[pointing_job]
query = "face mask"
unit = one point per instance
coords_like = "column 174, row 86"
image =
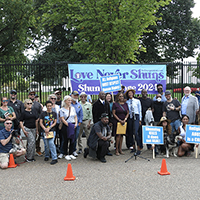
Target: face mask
column 159, row 99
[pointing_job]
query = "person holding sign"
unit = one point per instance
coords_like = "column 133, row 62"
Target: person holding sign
column 48, row 121
column 184, row 148
column 120, row 114
column 133, row 122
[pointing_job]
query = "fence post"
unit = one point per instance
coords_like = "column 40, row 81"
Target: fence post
column 182, row 79
column 40, row 87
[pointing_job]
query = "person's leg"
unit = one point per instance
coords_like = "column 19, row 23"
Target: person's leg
column 37, row 142
column 64, row 148
column 129, row 134
column 138, row 135
column 177, row 124
column 4, row 160
column 30, row 144
column 117, row 144
column 52, row 147
column 173, row 126
column 76, row 136
column 80, row 145
column 120, row 144
column 103, row 148
column 71, row 147
column 46, row 146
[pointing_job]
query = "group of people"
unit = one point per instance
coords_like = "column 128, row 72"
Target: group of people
column 61, row 123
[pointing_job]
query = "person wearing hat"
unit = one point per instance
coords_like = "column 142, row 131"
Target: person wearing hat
column 37, row 108
column 18, row 108
column 87, row 118
column 171, row 109
column 167, row 130
column 99, row 138
column 58, row 100
column 79, row 113
column 133, row 122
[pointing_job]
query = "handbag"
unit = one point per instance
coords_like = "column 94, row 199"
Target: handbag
column 61, row 123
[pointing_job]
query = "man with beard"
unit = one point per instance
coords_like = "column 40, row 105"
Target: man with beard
column 99, row 138
column 171, row 109
column 189, row 105
column 79, row 113
column 37, row 108
column 160, row 91
column 18, row 107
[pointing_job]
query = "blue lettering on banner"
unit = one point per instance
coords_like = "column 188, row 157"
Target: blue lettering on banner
column 152, row 134
column 192, row 134
column 85, row 77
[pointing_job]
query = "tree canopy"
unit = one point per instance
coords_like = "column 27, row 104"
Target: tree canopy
column 107, row 31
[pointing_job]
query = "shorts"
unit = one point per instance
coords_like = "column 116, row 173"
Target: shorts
column 4, row 158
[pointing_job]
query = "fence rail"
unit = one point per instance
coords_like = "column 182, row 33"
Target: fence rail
column 44, row 79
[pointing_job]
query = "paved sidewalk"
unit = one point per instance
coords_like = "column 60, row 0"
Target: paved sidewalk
column 136, row 179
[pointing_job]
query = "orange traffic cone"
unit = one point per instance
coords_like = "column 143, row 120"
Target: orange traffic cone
column 163, row 170
column 69, row 176
column 11, row 162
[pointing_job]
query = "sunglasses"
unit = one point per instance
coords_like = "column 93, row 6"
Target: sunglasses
column 58, row 94
column 5, row 101
column 29, row 103
column 8, row 123
column 32, row 95
column 53, row 98
column 13, row 93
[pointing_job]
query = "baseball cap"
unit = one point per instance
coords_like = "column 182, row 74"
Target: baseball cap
column 104, row 115
column 13, row 91
column 31, row 92
column 83, row 93
column 167, row 92
column 57, row 91
column 75, row 92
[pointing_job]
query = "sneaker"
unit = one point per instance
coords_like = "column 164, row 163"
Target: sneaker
column 60, row 156
column 38, row 153
column 72, row 157
column 103, row 160
column 131, row 148
column 53, row 162
column 75, row 154
column 67, row 157
column 46, row 159
column 80, row 151
column 28, row 160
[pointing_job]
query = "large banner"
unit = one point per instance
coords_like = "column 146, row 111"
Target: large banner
column 85, row 77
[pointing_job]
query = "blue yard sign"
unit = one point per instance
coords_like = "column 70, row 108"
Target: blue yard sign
column 110, row 83
column 192, row 134
column 152, row 134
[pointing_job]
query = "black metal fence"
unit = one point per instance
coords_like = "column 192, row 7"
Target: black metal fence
column 46, row 78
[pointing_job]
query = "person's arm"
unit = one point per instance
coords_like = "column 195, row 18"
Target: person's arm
column 5, row 141
column 117, row 118
column 140, row 112
column 80, row 117
column 22, row 127
column 76, row 121
column 13, row 116
column 2, row 120
column 64, row 121
column 36, row 124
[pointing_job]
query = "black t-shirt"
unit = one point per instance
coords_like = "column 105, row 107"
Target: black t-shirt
column 48, row 119
column 59, row 103
column 158, row 110
column 172, row 115
column 145, row 103
column 29, row 118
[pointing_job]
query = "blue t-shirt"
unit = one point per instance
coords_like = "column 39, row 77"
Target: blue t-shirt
column 4, row 134
column 198, row 97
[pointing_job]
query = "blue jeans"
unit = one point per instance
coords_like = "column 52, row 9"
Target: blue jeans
column 76, row 136
column 49, row 145
column 175, row 125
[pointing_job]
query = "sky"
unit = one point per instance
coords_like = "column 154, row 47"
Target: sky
column 196, row 14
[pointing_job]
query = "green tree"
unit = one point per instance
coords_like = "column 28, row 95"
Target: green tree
column 18, row 28
column 173, row 37
column 108, row 31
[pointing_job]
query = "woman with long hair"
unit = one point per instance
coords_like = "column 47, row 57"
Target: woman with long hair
column 69, row 119
column 184, row 148
column 6, row 112
column 120, row 114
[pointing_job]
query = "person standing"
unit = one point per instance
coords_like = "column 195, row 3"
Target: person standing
column 6, row 112
column 197, row 94
column 79, row 113
column 58, row 100
column 37, row 108
column 160, row 91
column 48, row 121
column 29, row 125
column 69, row 119
column 171, row 109
column 133, row 122
column 120, row 114
column 157, row 109
column 17, row 106
column 87, row 119
column 189, row 105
